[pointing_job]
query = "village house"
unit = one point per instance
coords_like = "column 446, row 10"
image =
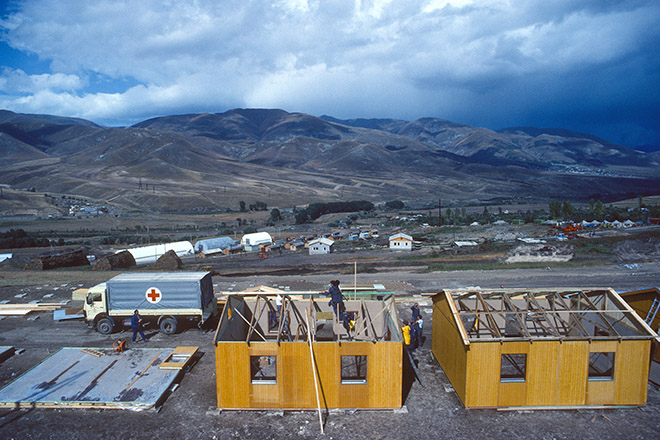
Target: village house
column 401, row 242
column 321, row 246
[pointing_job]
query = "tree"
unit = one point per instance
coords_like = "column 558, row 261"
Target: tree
column 275, row 215
column 555, row 208
column 599, row 209
column 567, row 209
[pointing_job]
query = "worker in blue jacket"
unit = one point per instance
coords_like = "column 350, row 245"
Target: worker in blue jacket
column 136, row 325
column 415, row 312
column 336, row 298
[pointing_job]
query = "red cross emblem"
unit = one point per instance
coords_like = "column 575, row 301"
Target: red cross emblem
column 153, row 295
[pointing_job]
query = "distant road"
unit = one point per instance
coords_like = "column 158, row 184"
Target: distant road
column 615, row 276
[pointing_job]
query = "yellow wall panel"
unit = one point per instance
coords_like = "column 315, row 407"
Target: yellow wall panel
column 512, row 394
column 542, row 373
column 295, row 386
column 448, row 348
column 572, row 367
column 232, row 379
column 483, row 375
column 631, row 371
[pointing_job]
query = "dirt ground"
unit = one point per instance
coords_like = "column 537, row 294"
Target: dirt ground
column 190, row 412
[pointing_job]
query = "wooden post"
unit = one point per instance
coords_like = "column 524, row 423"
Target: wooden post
column 316, row 385
column 355, row 281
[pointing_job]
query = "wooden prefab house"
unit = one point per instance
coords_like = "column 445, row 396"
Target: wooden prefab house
column 541, row 348
column 281, row 354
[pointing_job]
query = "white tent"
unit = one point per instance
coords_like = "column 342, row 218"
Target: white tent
column 149, row 254
column 256, row 239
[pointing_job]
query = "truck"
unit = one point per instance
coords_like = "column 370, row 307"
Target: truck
column 165, row 299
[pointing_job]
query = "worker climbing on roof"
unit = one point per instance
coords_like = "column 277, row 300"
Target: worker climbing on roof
column 136, row 325
column 336, row 298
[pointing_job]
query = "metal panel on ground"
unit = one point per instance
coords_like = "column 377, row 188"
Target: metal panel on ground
column 97, row 378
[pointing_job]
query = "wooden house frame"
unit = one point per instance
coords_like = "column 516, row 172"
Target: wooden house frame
column 541, row 348
column 270, row 358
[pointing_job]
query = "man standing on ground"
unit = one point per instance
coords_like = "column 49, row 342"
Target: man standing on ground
column 136, row 325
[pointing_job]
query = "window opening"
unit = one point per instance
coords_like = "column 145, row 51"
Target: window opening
column 513, row 367
column 263, row 369
column 354, row 369
column 601, row 366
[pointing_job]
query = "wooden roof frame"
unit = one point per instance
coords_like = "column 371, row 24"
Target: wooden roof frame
column 246, row 314
column 544, row 314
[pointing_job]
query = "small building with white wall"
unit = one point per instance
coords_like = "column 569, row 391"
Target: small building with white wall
column 321, row 246
column 401, row 242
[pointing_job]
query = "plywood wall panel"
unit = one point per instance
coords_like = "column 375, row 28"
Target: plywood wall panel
column 631, row 371
column 572, row 367
column 483, row 375
column 232, row 378
column 542, row 373
column 448, row 348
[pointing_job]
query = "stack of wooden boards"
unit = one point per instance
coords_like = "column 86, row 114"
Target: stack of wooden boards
column 25, row 309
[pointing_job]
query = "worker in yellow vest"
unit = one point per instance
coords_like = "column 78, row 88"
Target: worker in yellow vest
column 406, row 335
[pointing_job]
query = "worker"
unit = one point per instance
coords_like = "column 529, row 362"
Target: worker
column 406, row 335
column 136, row 325
column 413, row 335
column 275, row 317
column 336, row 298
column 420, row 324
column 416, row 334
column 415, row 312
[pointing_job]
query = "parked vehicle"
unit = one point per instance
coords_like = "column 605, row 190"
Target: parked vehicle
column 163, row 298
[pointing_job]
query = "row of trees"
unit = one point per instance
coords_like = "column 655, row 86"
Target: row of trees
column 316, row 210
column 256, row 206
column 18, row 238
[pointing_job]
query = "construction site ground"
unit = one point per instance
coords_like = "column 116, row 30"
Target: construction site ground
column 190, row 412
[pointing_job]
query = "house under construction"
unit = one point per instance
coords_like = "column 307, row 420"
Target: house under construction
column 273, row 352
column 542, row 348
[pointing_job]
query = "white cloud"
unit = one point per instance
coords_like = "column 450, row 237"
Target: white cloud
column 17, row 81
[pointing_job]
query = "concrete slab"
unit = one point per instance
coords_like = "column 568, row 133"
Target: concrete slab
column 73, row 378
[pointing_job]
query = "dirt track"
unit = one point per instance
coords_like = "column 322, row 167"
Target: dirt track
column 189, row 412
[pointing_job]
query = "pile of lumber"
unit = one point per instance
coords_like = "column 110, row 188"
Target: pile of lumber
column 25, row 309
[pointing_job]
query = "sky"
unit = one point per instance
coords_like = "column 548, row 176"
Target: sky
column 586, row 65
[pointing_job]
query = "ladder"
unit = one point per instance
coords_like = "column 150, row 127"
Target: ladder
column 653, row 310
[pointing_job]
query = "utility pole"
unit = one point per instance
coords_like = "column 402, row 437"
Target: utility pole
column 439, row 212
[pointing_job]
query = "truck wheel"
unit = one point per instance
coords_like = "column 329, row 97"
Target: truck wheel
column 104, row 326
column 168, row 325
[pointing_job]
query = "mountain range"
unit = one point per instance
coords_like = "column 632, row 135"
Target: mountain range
column 214, row 160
